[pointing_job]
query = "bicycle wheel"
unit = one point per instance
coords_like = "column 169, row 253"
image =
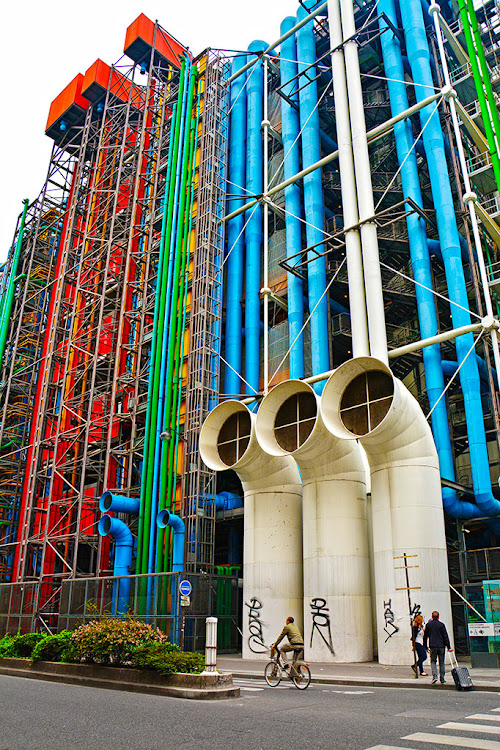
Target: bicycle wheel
column 272, row 674
column 301, row 676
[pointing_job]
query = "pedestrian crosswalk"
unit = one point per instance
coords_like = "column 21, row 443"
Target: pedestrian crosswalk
column 457, row 735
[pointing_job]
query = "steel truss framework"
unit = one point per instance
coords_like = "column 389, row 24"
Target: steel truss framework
column 202, row 387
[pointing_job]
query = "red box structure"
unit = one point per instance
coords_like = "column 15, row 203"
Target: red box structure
column 99, row 77
column 140, row 38
column 69, row 106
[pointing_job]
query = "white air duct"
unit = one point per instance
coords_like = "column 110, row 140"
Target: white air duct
column 272, row 551
column 363, row 400
column 337, row 602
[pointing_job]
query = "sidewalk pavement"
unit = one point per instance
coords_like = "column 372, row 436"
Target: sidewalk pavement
column 369, row 674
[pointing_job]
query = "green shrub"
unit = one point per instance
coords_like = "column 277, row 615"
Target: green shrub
column 52, row 647
column 5, row 644
column 166, row 658
column 153, row 656
column 111, row 641
column 20, row 646
column 186, row 662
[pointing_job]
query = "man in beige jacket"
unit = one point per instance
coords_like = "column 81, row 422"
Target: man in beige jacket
column 295, row 641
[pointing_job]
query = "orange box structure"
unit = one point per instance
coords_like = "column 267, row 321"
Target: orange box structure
column 139, row 41
column 100, row 76
column 68, row 107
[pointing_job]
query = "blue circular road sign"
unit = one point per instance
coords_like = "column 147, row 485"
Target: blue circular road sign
column 185, row 588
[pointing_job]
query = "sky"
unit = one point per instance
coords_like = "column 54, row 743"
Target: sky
column 46, row 44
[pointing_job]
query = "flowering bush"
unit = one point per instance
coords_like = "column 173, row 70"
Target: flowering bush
column 111, row 641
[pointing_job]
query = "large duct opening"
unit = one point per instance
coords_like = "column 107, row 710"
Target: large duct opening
column 295, row 420
column 366, row 401
column 234, row 437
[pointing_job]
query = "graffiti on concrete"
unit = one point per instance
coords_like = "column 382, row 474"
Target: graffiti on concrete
column 255, row 626
column 321, row 623
column 390, row 626
column 415, row 610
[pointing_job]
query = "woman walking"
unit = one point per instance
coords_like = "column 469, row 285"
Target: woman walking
column 417, row 638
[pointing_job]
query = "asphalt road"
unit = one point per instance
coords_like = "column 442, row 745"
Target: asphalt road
column 37, row 715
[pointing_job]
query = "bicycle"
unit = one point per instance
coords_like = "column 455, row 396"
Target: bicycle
column 298, row 671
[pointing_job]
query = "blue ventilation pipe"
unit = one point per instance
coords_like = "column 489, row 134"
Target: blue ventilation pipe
column 420, row 260
column 253, row 231
column 419, row 56
column 118, row 503
column 122, row 537
column 293, row 210
column 313, row 197
column 164, row 519
column 235, row 234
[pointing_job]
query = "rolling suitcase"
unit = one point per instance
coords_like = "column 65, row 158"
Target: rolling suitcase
column 461, row 676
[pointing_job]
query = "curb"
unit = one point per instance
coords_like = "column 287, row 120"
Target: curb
column 203, row 687
column 367, row 682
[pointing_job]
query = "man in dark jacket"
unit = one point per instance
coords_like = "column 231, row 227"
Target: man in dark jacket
column 436, row 635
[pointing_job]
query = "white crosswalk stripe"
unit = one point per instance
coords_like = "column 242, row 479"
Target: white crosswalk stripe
column 455, row 741
column 459, row 726
column 441, row 739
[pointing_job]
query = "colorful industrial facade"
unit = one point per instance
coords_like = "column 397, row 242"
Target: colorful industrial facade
column 198, row 239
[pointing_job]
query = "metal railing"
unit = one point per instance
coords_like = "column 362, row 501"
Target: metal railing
column 23, row 609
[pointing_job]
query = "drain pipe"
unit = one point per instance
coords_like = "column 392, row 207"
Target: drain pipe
column 235, row 238
column 293, row 209
column 122, row 536
column 418, row 55
column 272, row 554
column 335, row 534
column 357, row 302
column 166, row 518
column 421, row 265
column 363, row 400
column 253, row 230
column 313, row 196
column 366, row 208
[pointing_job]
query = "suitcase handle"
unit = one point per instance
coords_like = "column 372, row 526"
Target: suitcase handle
column 453, row 665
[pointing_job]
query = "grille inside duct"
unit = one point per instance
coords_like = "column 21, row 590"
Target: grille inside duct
column 366, row 401
column 295, row 420
column 234, row 437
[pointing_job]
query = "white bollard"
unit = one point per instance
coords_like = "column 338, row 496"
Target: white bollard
column 211, row 645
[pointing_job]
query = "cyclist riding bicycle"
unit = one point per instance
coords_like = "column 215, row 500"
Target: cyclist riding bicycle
column 295, row 642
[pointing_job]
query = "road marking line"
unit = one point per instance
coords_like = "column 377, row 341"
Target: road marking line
column 388, row 747
column 251, row 689
column 469, row 727
column 485, row 717
column 441, row 739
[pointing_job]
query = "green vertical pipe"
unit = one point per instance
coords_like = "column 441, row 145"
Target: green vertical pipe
column 177, row 401
column 479, row 82
column 151, row 412
column 145, row 515
column 175, row 418
column 179, row 344
column 174, row 302
column 9, row 294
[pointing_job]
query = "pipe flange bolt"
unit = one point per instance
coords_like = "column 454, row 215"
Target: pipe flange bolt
column 434, row 8
column 469, row 198
column 489, row 322
column 448, row 92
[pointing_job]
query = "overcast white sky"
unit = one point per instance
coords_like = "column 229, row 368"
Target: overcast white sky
column 45, row 44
